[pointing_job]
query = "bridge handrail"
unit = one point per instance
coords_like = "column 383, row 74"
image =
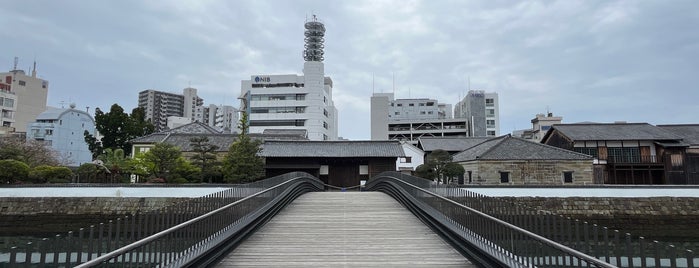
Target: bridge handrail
column 496, row 253
column 171, row 230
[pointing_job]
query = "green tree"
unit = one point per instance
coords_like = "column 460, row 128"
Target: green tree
column 117, row 129
column 243, row 163
column 163, row 158
column 435, row 166
column 92, row 173
column 204, row 157
column 451, row 170
column 50, row 174
column 12, row 171
column 116, row 162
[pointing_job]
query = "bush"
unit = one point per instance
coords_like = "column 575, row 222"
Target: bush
column 45, row 173
column 179, row 180
column 12, row 171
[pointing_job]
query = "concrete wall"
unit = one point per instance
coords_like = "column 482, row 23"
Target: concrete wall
column 528, row 172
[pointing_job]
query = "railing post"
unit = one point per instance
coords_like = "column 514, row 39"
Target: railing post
column 28, row 254
column 642, row 251
column 690, row 258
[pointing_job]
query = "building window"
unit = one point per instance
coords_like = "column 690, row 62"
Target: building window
column 406, row 159
column 591, row 151
column 422, row 104
column 430, row 112
column 22, row 83
column 504, row 177
column 567, row 177
column 325, row 125
column 490, row 123
column 325, row 112
column 422, row 112
column 624, row 154
column 489, row 102
column 363, row 169
column 399, row 104
column 489, row 113
column 430, row 104
column 49, row 132
column 490, row 133
column 397, row 113
column 411, row 104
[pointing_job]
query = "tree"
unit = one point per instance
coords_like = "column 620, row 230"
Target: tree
column 204, row 157
column 163, row 157
column 438, row 166
column 44, row 173
column 115, row 161
column 32, row 153
column 117, row 129
column 12, row 171
column 451, row 170
column 243, row 163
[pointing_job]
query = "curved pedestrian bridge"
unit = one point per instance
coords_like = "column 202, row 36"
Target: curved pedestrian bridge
column 345, row 229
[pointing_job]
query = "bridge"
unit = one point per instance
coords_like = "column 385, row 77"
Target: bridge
column 396, row 220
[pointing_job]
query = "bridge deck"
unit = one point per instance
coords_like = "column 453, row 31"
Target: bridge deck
column 348, row 229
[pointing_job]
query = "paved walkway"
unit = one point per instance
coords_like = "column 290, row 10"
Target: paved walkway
column 345, row 229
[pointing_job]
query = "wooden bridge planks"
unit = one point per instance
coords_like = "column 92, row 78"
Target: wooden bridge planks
column 345, row 229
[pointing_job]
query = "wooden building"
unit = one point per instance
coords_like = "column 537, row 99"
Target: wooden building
column 625, row 153
column 338, row 163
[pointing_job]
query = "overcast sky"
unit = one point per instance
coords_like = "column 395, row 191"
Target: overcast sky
column 600, row 61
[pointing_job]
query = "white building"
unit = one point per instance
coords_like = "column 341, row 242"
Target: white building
column 294, row 101
column 223, row 117
column 191, row 101
column 411, row 119
column 24, row 98
column 481, row 109
column 160, row 105
column 413, row 158
column 540, row 125
column 63, row 130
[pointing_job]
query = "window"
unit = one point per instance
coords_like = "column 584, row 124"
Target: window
column 489, row 113
column 325, row 112
column 363, row 169
column 624, row 154
column 545, row 128
column 489, row 102
column 325, row 125
column 49, row 132
column 406, row 159
column 411, row 105
column 430, row 112
column 504, row 177
column 422, row 104
column 22, row 83
column 422, row 112
column 430, row 104
column 592, row 151
column 490, row 133
column 9, row 103
column 567, row 176
column 399, row 104
column 490, row 123
column 323, row 170
column 397, row 113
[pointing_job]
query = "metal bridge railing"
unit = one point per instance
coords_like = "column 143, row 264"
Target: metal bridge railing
column 168, row 237
column 503, row 233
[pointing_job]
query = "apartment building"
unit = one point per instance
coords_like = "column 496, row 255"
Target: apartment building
column 22, row 98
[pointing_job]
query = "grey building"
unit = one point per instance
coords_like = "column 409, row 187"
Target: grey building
column 411, row 119
column 160, row 105
column 481, row 110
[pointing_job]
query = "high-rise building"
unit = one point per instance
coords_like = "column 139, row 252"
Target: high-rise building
column 23, row 98
column 191, row 101
column 298, row 102
column 410, row 119
column 160, row 105
column 481, row 110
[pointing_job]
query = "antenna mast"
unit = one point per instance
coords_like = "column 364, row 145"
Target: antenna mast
column 16, row 62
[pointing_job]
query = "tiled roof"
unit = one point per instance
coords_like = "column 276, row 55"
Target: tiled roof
column 457, row 144
column 180, row 137
column 616, row 131
column 332, row 149
column 689, row 133
column 511, row 148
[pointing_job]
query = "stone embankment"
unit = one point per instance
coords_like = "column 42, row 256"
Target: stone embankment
column 43, row 215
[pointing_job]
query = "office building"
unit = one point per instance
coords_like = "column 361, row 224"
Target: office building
column 63, row 130
column 411, row 119
column 540, row 125
column 294, row 102
column 481, row 110
column 23, row 98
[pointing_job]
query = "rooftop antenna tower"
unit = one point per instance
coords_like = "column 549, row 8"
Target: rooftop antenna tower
column 314, row 39
column 16, row 62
